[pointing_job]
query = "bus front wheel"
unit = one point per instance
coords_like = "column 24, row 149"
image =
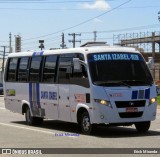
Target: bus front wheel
column 142, row 127
column 86, row 126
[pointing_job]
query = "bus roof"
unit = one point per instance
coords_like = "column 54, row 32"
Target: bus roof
column 83, row 50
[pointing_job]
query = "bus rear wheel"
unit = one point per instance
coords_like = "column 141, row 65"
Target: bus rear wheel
column 32, row 120
column 143, row 127
column 86, row 126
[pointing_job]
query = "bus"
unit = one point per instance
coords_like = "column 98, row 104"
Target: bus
column 92, row 85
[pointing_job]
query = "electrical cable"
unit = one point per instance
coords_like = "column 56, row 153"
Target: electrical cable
column 86, row 21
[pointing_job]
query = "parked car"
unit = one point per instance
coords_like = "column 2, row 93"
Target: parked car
column 1, row 89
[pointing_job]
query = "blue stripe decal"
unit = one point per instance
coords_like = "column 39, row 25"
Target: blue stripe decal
column 134, row 94
column 41, row 53
column 38, row 53
column 34, row 53
column 38, row 95
column 30, row 95
column 147, row 93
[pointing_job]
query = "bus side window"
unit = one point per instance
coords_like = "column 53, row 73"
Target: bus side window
column 80, row 77
column 22, row 69
column 12, row 68
column 34, row 71
column 49, row 70
column 64, row 70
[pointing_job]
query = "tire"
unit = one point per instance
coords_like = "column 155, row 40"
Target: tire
column 30, row 120
column 86, row 127
column 142, row 127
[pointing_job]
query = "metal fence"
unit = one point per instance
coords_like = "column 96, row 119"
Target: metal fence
column 155, row 73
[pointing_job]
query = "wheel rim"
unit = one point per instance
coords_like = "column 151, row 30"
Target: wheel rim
column 86, row 123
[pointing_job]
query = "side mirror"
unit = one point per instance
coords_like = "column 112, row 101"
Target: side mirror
column 76, row 64
column 150, row 62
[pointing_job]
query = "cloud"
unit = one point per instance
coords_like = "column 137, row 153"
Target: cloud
column 98, row 20
column 98, row 5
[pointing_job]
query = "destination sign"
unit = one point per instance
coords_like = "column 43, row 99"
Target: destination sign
column 114, row 56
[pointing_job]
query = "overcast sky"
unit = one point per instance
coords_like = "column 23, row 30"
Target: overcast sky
column 45, row 20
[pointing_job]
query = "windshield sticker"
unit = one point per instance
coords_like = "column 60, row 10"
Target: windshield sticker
column 115, row 56
column 10, row 92
column 80, row 97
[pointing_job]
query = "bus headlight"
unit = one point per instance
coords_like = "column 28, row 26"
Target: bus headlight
column 152, row 100
column 103, row 102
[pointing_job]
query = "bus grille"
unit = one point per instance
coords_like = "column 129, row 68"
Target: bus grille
column 124, row 104
column 130, row 115
column 130, row 104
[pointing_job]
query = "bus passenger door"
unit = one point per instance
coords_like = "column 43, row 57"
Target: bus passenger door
column 49, row 100
column 49, row 90
column 64, row 106
column 63, row 80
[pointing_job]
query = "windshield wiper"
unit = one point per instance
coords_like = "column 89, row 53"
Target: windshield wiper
column 111, row 82
column 141, row 81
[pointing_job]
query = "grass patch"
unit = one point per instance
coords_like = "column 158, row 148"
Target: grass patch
column 158, row 100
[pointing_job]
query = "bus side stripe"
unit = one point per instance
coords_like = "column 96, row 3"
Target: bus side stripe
column 30, row 95
column 38, row 96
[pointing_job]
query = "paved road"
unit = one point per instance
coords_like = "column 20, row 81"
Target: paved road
column 14, row 133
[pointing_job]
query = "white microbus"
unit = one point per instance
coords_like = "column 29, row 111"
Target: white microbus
column 87, row 85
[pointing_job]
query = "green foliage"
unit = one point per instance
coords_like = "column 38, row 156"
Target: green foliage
column 158, row 99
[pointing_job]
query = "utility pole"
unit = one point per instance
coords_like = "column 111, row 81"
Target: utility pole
column 10, row 42
column 74, row 38
column 63, row 45
column 159, row 16
column 4, row 53
column 95, row 35
column 159, row 21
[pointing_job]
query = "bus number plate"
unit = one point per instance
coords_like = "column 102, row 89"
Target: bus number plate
column 131, row 109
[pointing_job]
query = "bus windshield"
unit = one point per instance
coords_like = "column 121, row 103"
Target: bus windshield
column 119, row 69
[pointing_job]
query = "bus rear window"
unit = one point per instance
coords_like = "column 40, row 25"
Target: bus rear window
column 12, row 67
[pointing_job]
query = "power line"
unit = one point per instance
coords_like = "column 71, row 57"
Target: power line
column 36, row 1
column 3, row 41
column 104, row 31
column 20, row 0
column 46, row 45
column 48, row 42
column 50, row 39
column 139, row 7
column 74, row 38
column 91, row 39
column 124, row 29
column 47, row 1
column 41, row 9
column 86, row 21
column 72, row 9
